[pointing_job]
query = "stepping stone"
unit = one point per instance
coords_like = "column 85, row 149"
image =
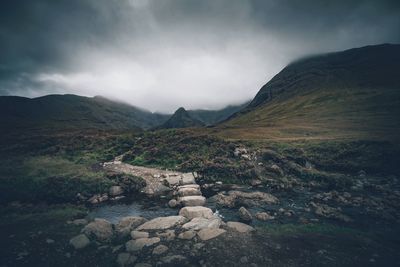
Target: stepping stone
column 196, row 211
column 189, row 186
column 189, row 191
column 210, row 233
column 193, row 201
column 188, row 178
column 162, row 223
column 202, row 223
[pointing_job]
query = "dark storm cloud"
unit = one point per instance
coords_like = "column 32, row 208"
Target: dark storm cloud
column 170, row 53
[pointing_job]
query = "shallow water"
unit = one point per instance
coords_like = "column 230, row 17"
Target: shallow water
column 115, row 212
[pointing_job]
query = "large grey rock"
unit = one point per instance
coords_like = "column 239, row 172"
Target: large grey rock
column 202, row 223
column 210, row 233
column 162, row 223
column 127, row 224
column 139, row 234
column 192, row 201
column 189, row 191
column 100, row 229
column 116, row 190
column 245, row 215
column 139, row 244
column 196, row 211
column 79, row 241
column 240, row 227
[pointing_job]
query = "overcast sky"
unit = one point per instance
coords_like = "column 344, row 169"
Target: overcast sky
column 164, row 54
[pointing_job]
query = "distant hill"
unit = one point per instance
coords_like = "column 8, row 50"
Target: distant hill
column 73, row 112
column 211, row 117
column 181, row 119
column 353, row 93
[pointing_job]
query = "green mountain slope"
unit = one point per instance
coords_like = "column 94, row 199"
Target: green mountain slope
column 73, row 112
column 181, row 119
column 354, row 93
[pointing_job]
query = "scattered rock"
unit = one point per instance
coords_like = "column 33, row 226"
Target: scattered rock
column 125, row 259
column 196, row 211
column 210, row 233
column 202, row 223
column 187, row 235
column 80, row 222
column 173, row 203
column 264, row 216
column 160, row 249
column 162, row 223
column 189, row 191
column 240, row 227
column 116, row 190
column 193, row 201
column 255, row 182
column 139, row 244
column 138, row 234
column 168, row 235
column 245, row 215
column 329, row 212
column 79, row 241
column 127, row 224
column 100, row 229
column 174, row 260
column 239, row 198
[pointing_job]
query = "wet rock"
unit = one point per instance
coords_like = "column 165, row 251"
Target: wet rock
column 168, row 235
column 239, row 198
column 192, row 201
column 245, row 215
column 240, row 227
column 172, row 203
column 100, row 229
column 202, row 223
column 264, row 216
column 197, row 211
column 187, row 235
column 139, row 244
column 138, row 234
column 125, row 259
column 79, row 241
column 116, row 190
column 160, row 249
column 210, row 233
column 162, row 223
column 127, row 224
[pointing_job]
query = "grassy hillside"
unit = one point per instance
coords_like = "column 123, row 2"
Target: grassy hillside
column 350, row 94
column 72, row 112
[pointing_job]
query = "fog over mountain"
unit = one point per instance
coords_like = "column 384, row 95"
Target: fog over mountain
column 161, row 55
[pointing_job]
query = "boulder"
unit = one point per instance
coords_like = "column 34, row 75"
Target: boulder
column 139, row 244
column 193, row 201
column 245, row 215
column 138, row 234
column 100, row 229
column 197, row 211
column 187, row 235
column 162, row 223
column 116, row 190
column 202, row 223
column 79, row 241
column 240, row 227
column 127, row 224
column 264, row 216
column 210, row 233
column 125, row 259
column 160, row 249
column 189, row 191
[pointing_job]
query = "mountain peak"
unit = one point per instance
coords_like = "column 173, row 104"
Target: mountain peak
column 181, row 119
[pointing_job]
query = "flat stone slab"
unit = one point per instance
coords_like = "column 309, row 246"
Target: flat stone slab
column 188, row 178
column 202, row 223
column 192, row 201
column 210, row 233
column 189, row 191
column 196, row 211
column 240, row 227
column 139, row 244
column 189, row 186
column 162, row 223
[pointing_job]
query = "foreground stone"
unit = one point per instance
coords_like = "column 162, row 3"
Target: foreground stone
column 127, row 224
column 245, row 215
column 240, row 227
column 139, row 244
column 210, row 233
column 138, row 234
column 162, row 223
column 100, row 229
column 189, row 191
column 125, row 259
column 202, row 223
column 196, row 211
column 192, row 201
column 79, row 241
